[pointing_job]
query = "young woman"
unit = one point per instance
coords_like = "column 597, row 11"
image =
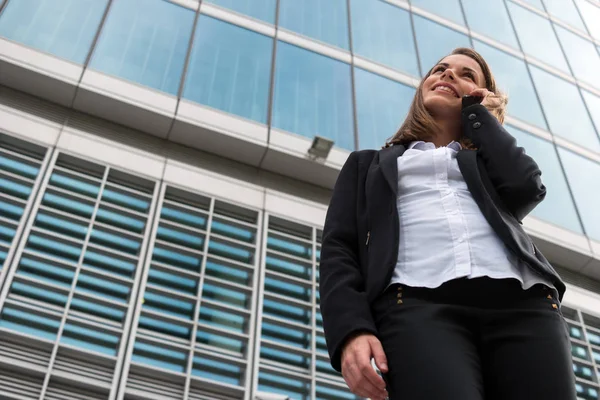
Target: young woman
column 425, row 266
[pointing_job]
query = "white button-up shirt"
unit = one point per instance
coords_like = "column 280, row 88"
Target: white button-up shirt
column 443, row 234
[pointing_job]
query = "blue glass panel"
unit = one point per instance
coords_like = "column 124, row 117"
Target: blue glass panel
column 530, row 27
column 512, row 78
column 491, row 19
column 120, row 220
column 222, row 319
column 259, row 9
column 98, row 310
column 221, row 294
column 230, row 69
column 576, row 333
column 294, row 313
column 285, row 357
column 74, row 185
column 328, row 393
column 294, row 291
column 112, row 290
column 236, row 275
column 566, row 11
column 179, row 260
column 449, row 9
column 593, row 106
column 76, row 230
column 321, row 344
column 167, row 328
column 174, row 360
column 180, row 237
column 324, row 20
column 47, row 272
column 164, row 304
column 65, row 28
column 232, row 231
column 6, row 233
column 312, row 95
column 292, row 386
column 128, row 201
column 18, row 167
column 172, row 281
column 583, row 174
column 558, row 197
column 591, row 15
column 303, row 250
column 220, row 341
column 14, row 188
column 10, row 211
column 303, row 271
column 229, row 250
column 108, row 263
column 145, row 44
column 382, row 32
column 583, row 57
column 217, row 370
column 32, row 291
column 186, row 218
column 90, row 339
column 54, row 248
column 115, row 241
column 566, row 113
column 436, row 41
column 594, row 338
column 381, row 106
column 29, row 323
column 71, row 206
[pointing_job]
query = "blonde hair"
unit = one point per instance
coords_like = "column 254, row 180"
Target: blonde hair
column 420, row 125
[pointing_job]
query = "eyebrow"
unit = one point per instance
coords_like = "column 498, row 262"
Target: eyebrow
column 464, row 68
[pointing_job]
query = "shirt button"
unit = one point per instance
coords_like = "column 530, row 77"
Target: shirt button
column 472, row 116
column 476, row 125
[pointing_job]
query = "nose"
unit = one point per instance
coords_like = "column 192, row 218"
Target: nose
column 449, row 74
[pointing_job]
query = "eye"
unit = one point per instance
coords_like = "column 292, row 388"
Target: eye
column 439, row 68
column 470, row 75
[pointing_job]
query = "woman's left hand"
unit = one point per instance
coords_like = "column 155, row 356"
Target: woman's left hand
column 490, row 100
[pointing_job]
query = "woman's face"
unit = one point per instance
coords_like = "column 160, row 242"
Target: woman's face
column 455, row 76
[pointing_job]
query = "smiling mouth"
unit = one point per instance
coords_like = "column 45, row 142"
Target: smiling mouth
column 445, row 89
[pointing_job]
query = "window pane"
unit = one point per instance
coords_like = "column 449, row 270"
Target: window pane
column 591, row 15
column 491, row 19
column 229, row 69
column 381, row 106
column 530, row 27
column 593, row 105
column 583, row 175
column 566, row 11
column 64, row 28
column 558, row 197
column 449, row 9
column 324, row 20
column 582, row 54
column 146, row 44
column 259, row 9
column 512, row 78
column 436, row 41
column 312, row 95
column 536, row 3
column 381, row 32
column 566, row 113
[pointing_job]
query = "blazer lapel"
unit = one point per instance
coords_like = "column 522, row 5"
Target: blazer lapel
column 389, row 166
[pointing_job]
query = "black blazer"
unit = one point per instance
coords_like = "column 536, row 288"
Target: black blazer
column 361, row 233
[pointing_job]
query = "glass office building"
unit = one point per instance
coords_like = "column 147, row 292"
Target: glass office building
column 160, row 219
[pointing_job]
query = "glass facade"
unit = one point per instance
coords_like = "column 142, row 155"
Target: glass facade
column 108, row 277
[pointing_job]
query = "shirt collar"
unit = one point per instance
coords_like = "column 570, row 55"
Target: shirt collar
column 421, row 145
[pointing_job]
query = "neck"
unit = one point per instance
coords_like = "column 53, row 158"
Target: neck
column 449, row 130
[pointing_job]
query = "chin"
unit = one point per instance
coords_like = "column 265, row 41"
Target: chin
column 442, row 105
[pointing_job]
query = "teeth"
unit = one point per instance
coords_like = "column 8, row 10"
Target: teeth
column 445, row 88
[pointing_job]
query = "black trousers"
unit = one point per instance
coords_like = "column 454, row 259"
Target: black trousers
column 475, row 339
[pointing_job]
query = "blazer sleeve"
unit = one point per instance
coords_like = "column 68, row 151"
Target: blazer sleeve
column 344, row 304
column 515, row 176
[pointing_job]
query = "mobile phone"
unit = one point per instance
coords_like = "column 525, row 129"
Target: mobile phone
column 468, row 100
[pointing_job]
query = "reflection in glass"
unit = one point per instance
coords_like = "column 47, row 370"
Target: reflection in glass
column 381, row 106
column 512, row 78
column 583, row 174
column 381, row 32
column 582, row 55
column 490, row 19
column 449, row 9
column 64, row 28
column 564, row 108
column 536, row 3
column 591, row 15
column 146, row 44
column 593, row 106
column 530, row 27
column 229, row 69
column 436, row 41
column 566, row 11
column 312, row 95
column 259, row 9
column 557, row 197
column 324, row 20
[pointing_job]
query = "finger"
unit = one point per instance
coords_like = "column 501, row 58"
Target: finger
column 369, row 373
column 360, row 385
column 481, row 92
column 378, row 355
